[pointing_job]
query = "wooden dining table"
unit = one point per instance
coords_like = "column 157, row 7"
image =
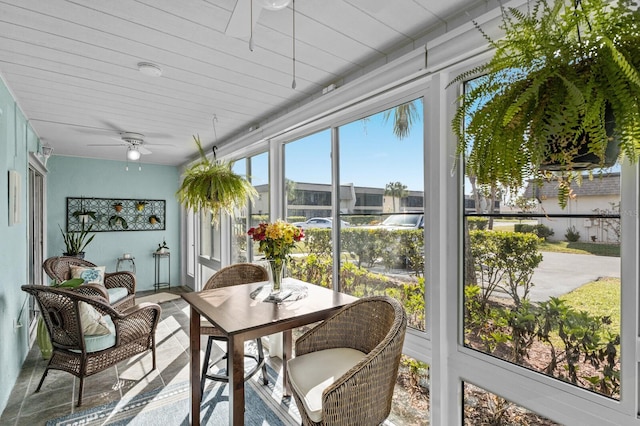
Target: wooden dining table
column 242, row 317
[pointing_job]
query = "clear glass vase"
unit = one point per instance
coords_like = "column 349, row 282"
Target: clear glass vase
column 277, row 273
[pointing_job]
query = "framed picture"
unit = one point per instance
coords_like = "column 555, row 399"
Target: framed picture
column 15, row 195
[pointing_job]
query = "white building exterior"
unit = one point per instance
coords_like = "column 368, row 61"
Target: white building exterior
column 601, row 194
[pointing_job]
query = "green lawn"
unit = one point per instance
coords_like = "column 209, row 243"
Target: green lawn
column 599, row 298
column 612, row 250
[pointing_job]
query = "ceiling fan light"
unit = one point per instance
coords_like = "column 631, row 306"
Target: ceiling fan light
column 275, row 4
column 133, row 154
column 149, row 69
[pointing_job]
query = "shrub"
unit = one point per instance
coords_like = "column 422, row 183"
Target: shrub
column 505, row 260
column 479, row 223
column 360, row 282
column 367, row 245
column 543, row 231
column 318, row 241
column 357, row 220
column 411, row 249
column 584, row 336
column 292, row 219
column 572, row 235
column 540, row 230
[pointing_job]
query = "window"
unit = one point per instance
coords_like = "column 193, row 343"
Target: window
column 542, row 283
column 308, row 204
column 382, row 249
column 258, row 174
column 485, row 408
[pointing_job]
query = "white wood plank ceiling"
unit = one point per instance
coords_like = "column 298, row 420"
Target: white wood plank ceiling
column 73, row 65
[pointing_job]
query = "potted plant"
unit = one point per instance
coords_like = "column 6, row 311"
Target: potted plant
column 546, row 102
column 212, row 185
column 140, row 204
column 117, row 206
column 163, row 247
column 76, row 241
column 83, row 215
column 117, row 221
column 153, row 219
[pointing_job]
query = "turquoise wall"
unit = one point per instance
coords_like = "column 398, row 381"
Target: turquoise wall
column 83, row 177
column 16, row 140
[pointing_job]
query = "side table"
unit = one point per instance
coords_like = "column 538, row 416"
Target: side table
column 131, row 265
column 159, row 259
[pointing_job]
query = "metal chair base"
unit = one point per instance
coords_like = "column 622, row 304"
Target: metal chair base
column 258, row 358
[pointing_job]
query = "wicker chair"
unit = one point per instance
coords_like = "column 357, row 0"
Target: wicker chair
column 239, row 273
column 127, row 333
column 59, row 268
column 345, row 369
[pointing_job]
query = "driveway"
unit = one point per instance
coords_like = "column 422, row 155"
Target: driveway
column 559, row 273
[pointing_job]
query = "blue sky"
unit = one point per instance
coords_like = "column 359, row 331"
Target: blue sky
column 370, row 155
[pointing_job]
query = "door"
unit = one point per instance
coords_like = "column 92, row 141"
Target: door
column 36, row 203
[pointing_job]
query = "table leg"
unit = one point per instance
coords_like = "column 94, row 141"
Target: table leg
column 235, row 351
column 194, row 334
column 287, row 342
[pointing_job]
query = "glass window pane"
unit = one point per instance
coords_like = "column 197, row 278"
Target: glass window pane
column 206, row 235
column 258, row 173
column 239, row 236
column 307, row 171
column 482, row 407
column 411, row 402
column 382, row 200
column 542, row 281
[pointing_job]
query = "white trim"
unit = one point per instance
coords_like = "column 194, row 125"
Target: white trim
column 383, row 78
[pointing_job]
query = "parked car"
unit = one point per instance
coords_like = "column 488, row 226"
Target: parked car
column 402, row 221
column 319, row 222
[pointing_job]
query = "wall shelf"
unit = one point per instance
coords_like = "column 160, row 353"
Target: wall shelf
column 134, row 214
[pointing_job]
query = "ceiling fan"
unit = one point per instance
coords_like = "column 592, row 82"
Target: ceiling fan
column 246, row 13
column 135, row 144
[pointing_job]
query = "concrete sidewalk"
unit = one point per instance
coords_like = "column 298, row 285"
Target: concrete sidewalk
column 560, row 273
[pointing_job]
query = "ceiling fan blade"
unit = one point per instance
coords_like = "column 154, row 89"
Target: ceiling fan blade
column 107, row 144
column 109, row 125
column 239, row 24
column 143, row 150
column 93, row 131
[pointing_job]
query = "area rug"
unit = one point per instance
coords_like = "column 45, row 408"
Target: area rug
column 170, row 405
column 160, row 297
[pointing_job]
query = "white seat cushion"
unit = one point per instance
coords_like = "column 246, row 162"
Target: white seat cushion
column 310, row 374
column 116, row 294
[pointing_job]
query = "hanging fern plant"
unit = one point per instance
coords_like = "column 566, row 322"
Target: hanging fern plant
column 213, row 186
column 548, row 98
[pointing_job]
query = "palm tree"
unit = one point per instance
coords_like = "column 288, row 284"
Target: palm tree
column 290, row 190
column 403, row 117
column 396, row 189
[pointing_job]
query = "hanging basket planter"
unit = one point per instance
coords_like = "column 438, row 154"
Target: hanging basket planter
column 212, row 185
column 543, row 106
column 576, row 155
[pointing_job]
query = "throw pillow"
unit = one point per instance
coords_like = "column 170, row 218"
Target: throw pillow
column 91, row 320
column 90, row 274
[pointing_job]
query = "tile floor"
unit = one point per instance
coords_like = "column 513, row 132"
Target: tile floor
column 59, row 393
